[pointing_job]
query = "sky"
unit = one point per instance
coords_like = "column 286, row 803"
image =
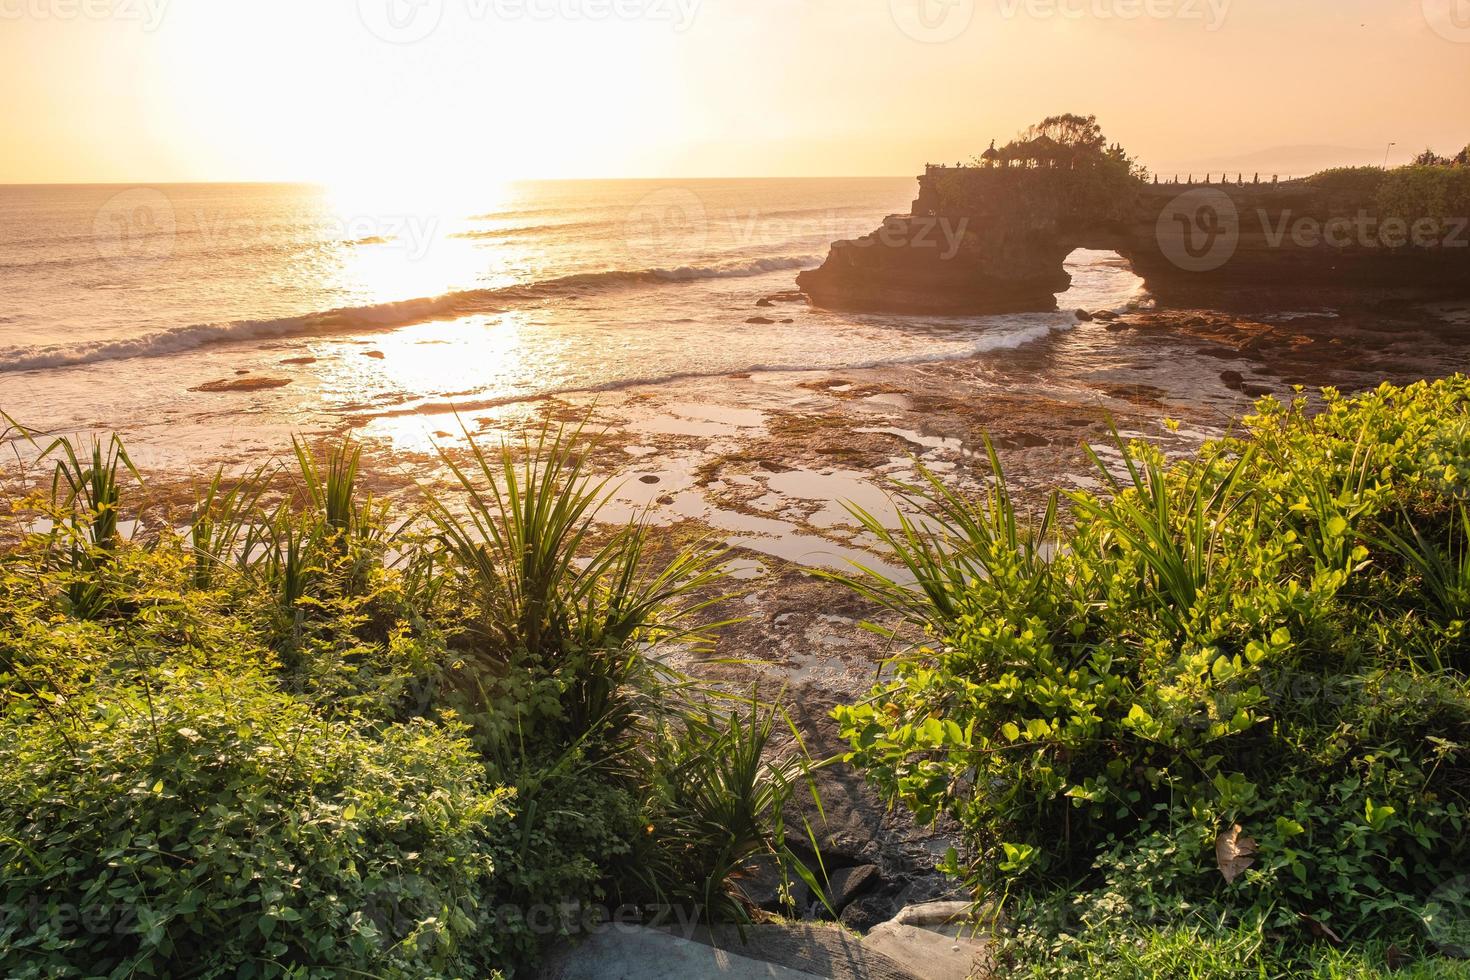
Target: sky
column 467, row 90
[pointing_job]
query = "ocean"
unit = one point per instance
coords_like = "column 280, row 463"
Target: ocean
column 297, row 307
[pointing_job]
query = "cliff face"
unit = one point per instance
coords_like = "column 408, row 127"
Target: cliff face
column 995, row 240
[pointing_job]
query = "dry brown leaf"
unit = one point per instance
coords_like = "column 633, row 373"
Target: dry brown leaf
column 1396, row 958
column 1234, row 853
column 1322, row 930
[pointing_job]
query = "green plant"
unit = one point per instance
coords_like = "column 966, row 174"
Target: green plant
column 247, row 735
column 207, row 823
column 559, row 609
column 1238, row 685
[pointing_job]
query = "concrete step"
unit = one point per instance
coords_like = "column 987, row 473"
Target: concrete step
column 634, row 953
column 823, row 950
column 937, row 941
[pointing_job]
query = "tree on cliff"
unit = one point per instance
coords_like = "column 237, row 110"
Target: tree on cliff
column 1075, row 132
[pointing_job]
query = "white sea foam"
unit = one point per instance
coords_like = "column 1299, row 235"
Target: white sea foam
column 374, row 317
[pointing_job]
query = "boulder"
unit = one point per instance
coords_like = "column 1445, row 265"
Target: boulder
column 845, row 884
column 760, row 320
column 1233, row 380
column 1083, row 316
column 867, row 911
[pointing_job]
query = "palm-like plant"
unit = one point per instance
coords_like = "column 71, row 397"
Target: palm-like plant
column 955, row 542
column 551, row 588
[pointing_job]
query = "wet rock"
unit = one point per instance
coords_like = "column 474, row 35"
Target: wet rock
column 1021, row 440
column 242, row 384
column 1233, row 380
column 763, row 301
column 1106, row 316
column 377, row 354
column 788, row 320
column 299, row 360
column 1084, row 316
column 762, row 320
column 1254, row 391
column 648, row 478
column 666, row 499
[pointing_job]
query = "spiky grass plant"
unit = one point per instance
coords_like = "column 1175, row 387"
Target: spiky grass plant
column 552, row 591
column 954, row 542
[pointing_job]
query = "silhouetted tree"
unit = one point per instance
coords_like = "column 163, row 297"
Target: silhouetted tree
column 1431, row 159
column 1070, row 130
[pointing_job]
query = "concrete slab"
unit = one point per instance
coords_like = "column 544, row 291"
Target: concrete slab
column 824, row 950
column 635, row 953
column 930, row 954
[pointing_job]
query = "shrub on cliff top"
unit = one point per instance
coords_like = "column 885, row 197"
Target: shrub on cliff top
column 1240, row 684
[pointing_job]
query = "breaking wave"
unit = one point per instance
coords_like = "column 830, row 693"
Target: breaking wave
column 378, row 316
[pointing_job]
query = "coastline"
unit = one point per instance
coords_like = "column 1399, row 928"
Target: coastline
column 764, row 462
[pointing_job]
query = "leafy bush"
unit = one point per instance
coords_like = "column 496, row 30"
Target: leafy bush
column 210, row 821
column 1239, row 681
column 297, row 739
column 1408, row 193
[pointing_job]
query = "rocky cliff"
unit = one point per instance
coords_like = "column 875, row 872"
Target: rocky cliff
column 994, row 240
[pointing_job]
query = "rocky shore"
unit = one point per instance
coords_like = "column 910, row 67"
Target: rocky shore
column 764, row 462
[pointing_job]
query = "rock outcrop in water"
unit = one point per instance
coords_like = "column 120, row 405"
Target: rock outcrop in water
column 994, row 239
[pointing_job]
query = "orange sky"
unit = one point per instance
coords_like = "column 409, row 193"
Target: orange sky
column 462, row 90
